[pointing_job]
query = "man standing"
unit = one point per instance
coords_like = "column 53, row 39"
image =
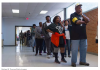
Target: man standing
column 33, row 36
column 38, row 38
column 47, row 35
column 21, row 37
column 25, row 38
column 78, row 35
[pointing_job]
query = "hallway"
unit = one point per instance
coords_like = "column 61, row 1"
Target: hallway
column 16, row 56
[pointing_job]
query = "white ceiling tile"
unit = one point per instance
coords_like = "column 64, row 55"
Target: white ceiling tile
column 23, row 6
column 31, row 7
column 48, row 6
column 15, row 14
column 14, row 5
column 6, row 7
column 3, row 4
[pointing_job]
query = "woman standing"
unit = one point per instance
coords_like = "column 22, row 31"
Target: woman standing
column 67, row 34
column 58, row 38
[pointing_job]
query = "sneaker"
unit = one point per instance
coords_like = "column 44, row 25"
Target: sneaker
column 48, row 56
column 57, row 61
column 82, row 63
column 73, row 65
column 45, row 52
column 63, row 60
column 40, row 54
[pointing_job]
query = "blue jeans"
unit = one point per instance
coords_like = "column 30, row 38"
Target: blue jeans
column 67, row 45
column 44, row 46
column 82, row 43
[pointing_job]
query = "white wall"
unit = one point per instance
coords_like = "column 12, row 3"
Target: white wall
column 8, row 27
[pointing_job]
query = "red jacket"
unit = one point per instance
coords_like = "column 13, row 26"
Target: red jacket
column 55, row 38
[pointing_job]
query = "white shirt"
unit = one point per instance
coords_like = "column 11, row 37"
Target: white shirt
column 48, row 25
column 67, row 34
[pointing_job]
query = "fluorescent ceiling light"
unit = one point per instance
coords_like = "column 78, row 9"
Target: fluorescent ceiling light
column 15, row 11
column 43, row 12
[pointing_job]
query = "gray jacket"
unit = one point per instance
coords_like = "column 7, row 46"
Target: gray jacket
column 38, row 32
column 45, row 33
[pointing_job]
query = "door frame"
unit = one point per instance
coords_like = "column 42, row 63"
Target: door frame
column 15, row 31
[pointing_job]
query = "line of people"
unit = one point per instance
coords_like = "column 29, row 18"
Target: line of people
column 26, row 38
column 60, row 35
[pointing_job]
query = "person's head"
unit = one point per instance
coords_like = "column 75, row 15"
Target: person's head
column 48, row 18
column 56, row 19
column 66, row 22
column 78, row 8
column 34, row 25
column 21, row 31
column 29, row 31
column 40, row 24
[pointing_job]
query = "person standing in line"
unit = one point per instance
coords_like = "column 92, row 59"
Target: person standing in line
column 25, row 38
column 67, row 34
column 47, row 36
column 39, row 38
column 21, row 37
column 78, row 35
column 28, row 38
column 57, row 38
column 33, row 36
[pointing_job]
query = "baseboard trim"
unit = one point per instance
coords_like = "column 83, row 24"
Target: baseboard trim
column 92, row 53
column 9, row 45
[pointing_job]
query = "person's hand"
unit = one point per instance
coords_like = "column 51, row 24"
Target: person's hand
column 60, row 22
column 52, row 32
column 80, row 12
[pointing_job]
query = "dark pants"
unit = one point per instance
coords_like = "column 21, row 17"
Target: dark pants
column 49, row 46
column 43, row 46
column 21, row 40
column 39, row 45
column 67, row 45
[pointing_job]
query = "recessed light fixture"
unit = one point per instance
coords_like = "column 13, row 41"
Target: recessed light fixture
column 15, row 11
column 43, row 12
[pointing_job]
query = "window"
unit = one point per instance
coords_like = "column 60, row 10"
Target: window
column 70, row 10
column 52, row 18
column 86, row 6
column 61, row 14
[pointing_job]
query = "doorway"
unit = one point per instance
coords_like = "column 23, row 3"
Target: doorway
column 18, row 29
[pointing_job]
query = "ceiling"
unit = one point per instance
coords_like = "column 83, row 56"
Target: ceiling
column 32, row 8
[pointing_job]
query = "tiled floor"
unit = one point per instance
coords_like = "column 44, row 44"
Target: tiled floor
column 17, row 56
